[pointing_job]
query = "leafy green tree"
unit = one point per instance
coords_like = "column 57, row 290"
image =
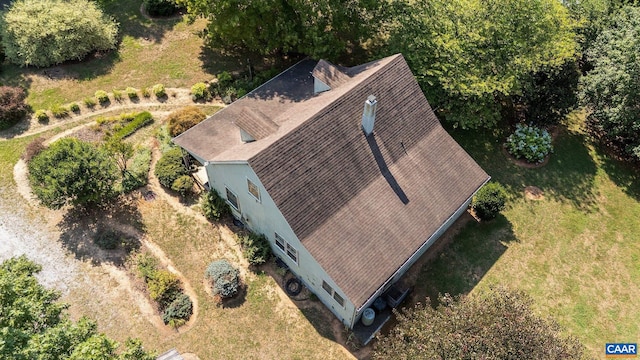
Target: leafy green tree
column 472, row 56
column 33, row 325
column 496, row 324
column 72, row 172
column 48, row 32
column 323, row 28
column 122, row 151
column 612, row 90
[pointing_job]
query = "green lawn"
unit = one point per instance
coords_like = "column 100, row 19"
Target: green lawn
column 575, row 252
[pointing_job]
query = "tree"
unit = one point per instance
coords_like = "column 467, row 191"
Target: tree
column 324, row 28
column 612, row 90
column 12, row 106
column 49, row 32
column 496, row 324
column 122, row 151
column 170, row 167
column 33, row 325
column 183, row 119
column 472, row 56
column 72, row 172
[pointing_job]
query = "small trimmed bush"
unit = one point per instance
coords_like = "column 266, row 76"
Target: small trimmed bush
column 200, row 91
column 159, row 90
column 529, row 142
column 214, row 206
column 178, row 312
column 74, row 107
column 145, row 92
column 132, row 93
column 147, row 266
column 183, row 185
column 184, row 119
column 41, row 116
column 225, row 279
column 33, row 148
column 489, row 201
column 59, row 111
column 161, row 7
column 102, row 96
column 164, row 287
column 12, row 106
column 117, row 95
column 89, row 102
column 170, row 167
column 255, row 248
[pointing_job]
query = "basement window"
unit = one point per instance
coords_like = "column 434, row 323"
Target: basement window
column 327, row 287
column 292, row 253
column 253, row 189
column 338, row 298
column 280, row 242
column 331, row 292
column 232, row 199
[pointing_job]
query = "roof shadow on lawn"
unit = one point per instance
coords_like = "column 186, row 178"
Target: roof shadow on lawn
column 80, row 227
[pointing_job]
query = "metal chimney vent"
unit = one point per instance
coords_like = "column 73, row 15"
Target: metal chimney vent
column 369, row 115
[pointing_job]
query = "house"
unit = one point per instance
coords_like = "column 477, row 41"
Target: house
column 347, row 171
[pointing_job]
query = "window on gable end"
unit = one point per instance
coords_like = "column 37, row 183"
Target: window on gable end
column 253, row 189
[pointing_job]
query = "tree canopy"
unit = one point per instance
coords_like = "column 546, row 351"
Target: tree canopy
column 469, row 56
column 33, row 325
column 611, row 89
column 496, row 324
column 72, row 172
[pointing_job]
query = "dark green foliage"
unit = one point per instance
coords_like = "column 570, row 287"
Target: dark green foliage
column 489, row 201
column 34, row 148
column 164, row 287
column 135, row 351
column 224, row 278
column 72, row 172
column 183, row 119
column 45, row 33
column 132, row 93
column 179, row 311
column 214, row 206
column 139, row 121
column 12, row 106
column 170, row 167
column 41, row 116
column 74, row 107
column 495, row 324
column 183, row 185
column 102, row 96
column 159, row 90
column 147, row 265
column 137, row 174
column 611, row 90
column 255, row 248
column 161, row 7
column 108, row 239
column 229, row 88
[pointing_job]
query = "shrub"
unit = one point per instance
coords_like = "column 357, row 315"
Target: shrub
column 183, row 119
column 179, row 311
column 530, row 143
column 117, row 95
column 74, row 107
column 183, row 185
column 42, row 116
column 489, row 201
column 170, row 167
column 59, row 111
column 12, row 106
column 224, row 278
column 132, row 93
column 214, row 206
column 109, row 239
column 255, row 248
column 161, row 7
column 102, row 96
column 45, row 33
column 164, row 287
column 139, row 121
column 138, row 172
column 145, row 92
column 89, row 102
column 200, row 91
column 147, row 266
column 33, row 148
column 159, row 90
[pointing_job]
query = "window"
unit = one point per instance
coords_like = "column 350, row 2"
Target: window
column 338, row 299
column 280, row 242
column 292, row 253
column 232, row 199
column 253, row 189
column 327, row 287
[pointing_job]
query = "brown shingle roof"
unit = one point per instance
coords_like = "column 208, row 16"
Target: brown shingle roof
column 361, row 205
column 255, row 123
column 330, row 74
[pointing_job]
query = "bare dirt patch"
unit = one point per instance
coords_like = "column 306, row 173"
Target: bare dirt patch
column 533, row 193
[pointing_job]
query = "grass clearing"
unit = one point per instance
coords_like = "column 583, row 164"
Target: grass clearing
column 575, row 252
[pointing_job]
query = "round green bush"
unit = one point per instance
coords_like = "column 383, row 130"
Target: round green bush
column 214, row 206
column 74, row 107
column 224, row 278
column 170, row 167
column 184, row 119
column 161, row 7
column 159, row 90
column 255, row 248
column 530, row 143
column 489, row 201
column 164, row 287
column 48, row 32
column 179, row 311
column 200, row 91
column 12, row 106
column 41, row 116
column 102, row 96
column 132, row 93
column 183, row 185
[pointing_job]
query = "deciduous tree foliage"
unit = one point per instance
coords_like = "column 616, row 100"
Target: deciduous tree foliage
column 72, row 172
column 12, row 106
column 323, row 28
column 48, row 32
column 470, row 55
column 33, row 325
column 612, row 88
column 496, row 324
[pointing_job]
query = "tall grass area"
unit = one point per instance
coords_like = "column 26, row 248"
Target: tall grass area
column 576, row 251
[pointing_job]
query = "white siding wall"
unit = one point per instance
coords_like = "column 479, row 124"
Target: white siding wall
column 264, row 217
